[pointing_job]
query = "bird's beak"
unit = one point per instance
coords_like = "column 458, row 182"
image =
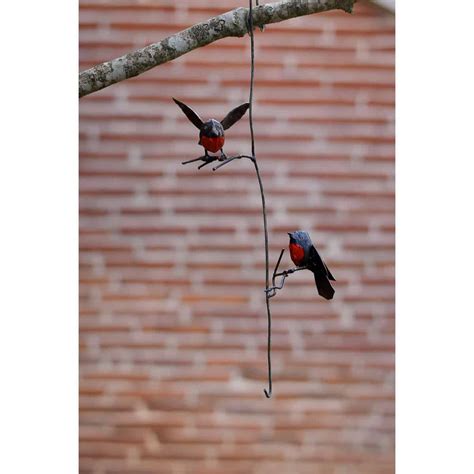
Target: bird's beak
column 290, row 234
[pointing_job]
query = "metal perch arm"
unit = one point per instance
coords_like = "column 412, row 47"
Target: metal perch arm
column 207, row 159
column 273, row 289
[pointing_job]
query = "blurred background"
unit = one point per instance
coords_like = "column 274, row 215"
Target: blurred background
column 172, row 312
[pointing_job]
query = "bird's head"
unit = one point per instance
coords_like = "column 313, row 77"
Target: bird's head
column 212, row 128
column 301, row 237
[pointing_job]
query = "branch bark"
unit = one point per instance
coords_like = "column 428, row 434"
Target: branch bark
column 231, row 23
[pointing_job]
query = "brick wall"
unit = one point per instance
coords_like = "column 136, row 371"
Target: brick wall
column 173, row 323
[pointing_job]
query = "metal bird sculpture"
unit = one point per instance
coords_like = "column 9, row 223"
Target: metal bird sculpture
column 304, row 254
column 211, row 132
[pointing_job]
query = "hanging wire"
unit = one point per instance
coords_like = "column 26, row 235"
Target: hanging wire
column 268, row 393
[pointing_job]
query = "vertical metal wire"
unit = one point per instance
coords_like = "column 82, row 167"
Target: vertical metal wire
column 268, row 393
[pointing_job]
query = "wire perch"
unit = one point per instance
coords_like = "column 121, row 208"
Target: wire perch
column 271, row 292
column 208, row 159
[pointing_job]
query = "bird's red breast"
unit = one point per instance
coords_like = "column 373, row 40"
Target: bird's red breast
column 297, row 254
column 212, row 144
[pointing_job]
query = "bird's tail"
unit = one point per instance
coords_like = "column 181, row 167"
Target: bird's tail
column 324, row 287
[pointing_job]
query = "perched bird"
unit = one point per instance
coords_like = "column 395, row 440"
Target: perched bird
column 211, row 133
column 304, row 254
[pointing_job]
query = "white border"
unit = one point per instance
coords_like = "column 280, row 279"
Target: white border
column 435, row 237
column 38, row 243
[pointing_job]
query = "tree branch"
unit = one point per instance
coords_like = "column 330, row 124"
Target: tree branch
column 232, row 23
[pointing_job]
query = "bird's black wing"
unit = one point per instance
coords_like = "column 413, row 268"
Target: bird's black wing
column 318, row 262
column 234, row 115
column 189, row 112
